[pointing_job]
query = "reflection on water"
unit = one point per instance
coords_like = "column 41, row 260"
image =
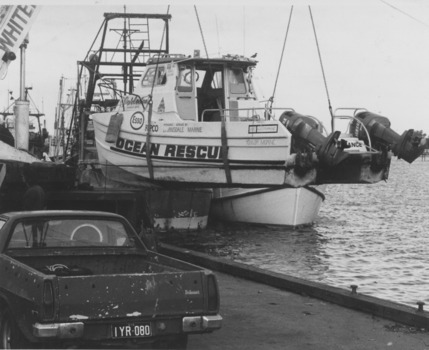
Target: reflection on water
column 375, row 236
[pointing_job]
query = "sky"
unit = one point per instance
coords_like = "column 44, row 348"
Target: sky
column 375, row 53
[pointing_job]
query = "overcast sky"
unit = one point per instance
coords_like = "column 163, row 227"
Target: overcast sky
column 375, row 53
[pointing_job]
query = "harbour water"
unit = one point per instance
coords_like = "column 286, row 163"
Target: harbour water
column 375, row 236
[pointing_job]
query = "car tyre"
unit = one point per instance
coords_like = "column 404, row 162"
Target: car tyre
column 10, row 335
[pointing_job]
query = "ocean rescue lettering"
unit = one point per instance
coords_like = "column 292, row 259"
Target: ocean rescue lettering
column 200, row 152
column 169, row 151
column 137, row 146
column 15, row 26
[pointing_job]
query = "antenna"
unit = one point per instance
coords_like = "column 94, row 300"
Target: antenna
column 201, row 31
column 244, row 31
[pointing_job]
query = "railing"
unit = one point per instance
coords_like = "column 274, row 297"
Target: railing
column 353, row 117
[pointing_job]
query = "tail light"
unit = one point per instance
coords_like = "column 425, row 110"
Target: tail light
column 213, row 295
column 48, row 301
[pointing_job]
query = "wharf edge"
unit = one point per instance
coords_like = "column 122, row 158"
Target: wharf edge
column 396, row 312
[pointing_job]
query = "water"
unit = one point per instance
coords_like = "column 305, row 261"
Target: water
column 375, row 236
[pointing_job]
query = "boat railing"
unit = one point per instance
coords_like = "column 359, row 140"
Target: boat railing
column 268, row 115
column 355, row 111
column 233, row 114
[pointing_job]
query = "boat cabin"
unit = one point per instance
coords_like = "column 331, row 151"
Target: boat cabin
column 200, row 89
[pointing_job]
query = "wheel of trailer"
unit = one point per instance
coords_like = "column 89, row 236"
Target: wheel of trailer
column 179, row 343
column 11, row 336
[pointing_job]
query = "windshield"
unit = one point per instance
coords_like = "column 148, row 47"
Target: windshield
column 69, row 232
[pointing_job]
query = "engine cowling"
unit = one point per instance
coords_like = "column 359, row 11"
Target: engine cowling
column 408, row 146
column 306, row 131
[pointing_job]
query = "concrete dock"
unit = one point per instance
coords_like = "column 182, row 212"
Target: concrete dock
column 265, row 310
column 257, row 316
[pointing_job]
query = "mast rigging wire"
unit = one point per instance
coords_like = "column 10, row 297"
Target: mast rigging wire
column 323, row 71
column 271, row 99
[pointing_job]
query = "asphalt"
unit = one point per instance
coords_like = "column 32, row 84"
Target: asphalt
column 258, row 316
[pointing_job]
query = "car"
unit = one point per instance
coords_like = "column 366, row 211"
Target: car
column 85, row 278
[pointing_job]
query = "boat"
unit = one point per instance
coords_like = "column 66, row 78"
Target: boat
column 287, row 206
column 194, row 122
column 197, row 121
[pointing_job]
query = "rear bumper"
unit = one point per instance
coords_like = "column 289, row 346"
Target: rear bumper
column 201, row 323
column 69, row 330
column 76, row 330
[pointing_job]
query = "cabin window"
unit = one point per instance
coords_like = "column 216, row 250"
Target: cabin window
column 161, row 77
column 185, row 79
column 217, row 80
column 236, row 81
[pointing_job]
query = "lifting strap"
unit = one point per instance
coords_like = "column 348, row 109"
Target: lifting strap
column 148, row 145
column 224, row 141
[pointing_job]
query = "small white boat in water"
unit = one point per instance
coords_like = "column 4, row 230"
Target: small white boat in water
column 288, row 206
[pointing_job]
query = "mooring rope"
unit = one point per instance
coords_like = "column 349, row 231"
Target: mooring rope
column 323, row 71
column 150, row 104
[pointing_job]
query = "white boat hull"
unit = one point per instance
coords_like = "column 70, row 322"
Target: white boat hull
column 290, row 207
column 191, row 153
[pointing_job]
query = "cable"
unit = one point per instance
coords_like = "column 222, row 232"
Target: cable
column 323, row 71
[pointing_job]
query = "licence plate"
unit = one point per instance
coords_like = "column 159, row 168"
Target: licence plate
column 133, row 330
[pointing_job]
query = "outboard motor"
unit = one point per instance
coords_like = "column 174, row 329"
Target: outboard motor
column 328, row 150
column 409, row 146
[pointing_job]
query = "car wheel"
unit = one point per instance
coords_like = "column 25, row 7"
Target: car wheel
column 177, row 343
column 10, row 335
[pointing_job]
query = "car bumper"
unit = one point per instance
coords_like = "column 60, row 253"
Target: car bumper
column 67, row 330
column 201, row 323
column 75, row 330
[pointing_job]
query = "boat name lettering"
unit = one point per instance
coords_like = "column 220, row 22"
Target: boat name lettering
column 137, row 120
column 153, row 128
column 137, row 146
column 200, row 152
column 262, row 142
column 15, row 26
column 174, row 151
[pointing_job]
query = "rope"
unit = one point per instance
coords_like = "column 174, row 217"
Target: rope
column 150, row 103
column 201, row 31
column 271, row 99
column 323, row 71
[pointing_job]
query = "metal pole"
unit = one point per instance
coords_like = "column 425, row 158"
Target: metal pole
column 22, row 108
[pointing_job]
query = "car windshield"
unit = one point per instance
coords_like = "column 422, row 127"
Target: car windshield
column 69, row 232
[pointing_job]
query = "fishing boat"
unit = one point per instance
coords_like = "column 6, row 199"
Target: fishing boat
column 197, row 121
column 193, row 122
column 287, row 206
